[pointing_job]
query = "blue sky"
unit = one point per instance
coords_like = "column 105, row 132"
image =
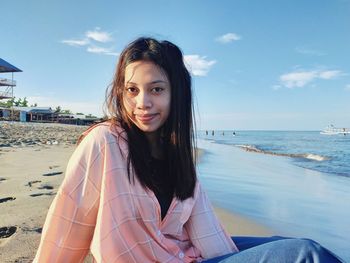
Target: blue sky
column 281, row 65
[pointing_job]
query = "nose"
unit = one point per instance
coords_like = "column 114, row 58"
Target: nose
column 143, row 101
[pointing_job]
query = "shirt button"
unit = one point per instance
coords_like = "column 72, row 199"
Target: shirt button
column 159, row 233
column 181, row 255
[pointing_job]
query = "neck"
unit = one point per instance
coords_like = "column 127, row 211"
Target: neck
column 155, row 144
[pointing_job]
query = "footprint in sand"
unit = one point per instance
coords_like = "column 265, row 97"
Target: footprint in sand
column 30, row 183
column 45, row 186
column 53, row 166
column 52, row 174
column 33, row 229
column 23, row 260
column 40, row 194
column 6, row 199
column 5, row 233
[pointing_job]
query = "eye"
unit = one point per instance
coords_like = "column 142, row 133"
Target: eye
column 131, row 90
column 157, row 89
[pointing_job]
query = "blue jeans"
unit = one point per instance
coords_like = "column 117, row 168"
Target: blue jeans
column 277, row 249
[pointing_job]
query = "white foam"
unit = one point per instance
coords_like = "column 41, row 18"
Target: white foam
column 315, row 157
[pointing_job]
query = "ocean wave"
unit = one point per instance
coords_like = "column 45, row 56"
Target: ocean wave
column 309, row 156
column 315, row 157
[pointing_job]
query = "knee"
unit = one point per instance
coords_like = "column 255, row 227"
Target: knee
column 301, row 244
column 307, row 250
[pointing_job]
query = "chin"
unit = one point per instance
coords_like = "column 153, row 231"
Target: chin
column 148, row 129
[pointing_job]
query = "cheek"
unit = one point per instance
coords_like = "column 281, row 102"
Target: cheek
column 128, row 104
column 166, row 105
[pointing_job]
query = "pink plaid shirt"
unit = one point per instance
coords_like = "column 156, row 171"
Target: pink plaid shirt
column 97, row 209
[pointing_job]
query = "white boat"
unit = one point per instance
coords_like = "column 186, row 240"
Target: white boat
column 331, row 130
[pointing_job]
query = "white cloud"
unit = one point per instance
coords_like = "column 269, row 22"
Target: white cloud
column 113, row 53
column 347, row 87
column 197, row 65
column 92, row 107
column 91, row 38
column 76, row 42
column 227, row 38
column 99, row 36
column 101, row 50
column 329, row 74
column 297, row 79
column 308, row 51
column 302, row 78
column 95, row 49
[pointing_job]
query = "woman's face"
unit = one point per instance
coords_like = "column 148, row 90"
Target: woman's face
column 146, row 95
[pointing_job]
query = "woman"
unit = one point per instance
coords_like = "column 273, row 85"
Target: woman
column 130, row 193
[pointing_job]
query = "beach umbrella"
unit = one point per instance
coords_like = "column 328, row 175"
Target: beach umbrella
column 7, row 67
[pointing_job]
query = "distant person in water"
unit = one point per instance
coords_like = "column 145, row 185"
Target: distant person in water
column 131, row 193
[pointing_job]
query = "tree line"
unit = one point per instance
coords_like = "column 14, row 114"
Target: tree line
column 19, row 102
column 16, row 102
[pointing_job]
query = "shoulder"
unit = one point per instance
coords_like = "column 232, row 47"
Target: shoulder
column 100, row 149
column 103, row 134
column 100, row 140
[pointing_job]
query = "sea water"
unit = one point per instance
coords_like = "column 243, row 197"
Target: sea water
column 297, row 183
column 308, row 149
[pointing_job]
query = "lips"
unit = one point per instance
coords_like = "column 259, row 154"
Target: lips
column 145, row 118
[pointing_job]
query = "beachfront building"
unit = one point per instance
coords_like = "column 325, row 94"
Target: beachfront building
column 77, row 119
column 45, row 114
column 34, row 114
column 5, row 113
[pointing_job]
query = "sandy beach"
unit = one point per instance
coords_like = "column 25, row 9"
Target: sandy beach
column 33, row 158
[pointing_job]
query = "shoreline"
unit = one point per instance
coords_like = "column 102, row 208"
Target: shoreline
column 289, row 199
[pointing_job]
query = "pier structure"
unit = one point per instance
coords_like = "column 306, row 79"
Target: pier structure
column 6, row 88
column 6, row 84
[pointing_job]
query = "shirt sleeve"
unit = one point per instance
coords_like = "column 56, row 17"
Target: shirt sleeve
column 205, row 230
column 70, row 222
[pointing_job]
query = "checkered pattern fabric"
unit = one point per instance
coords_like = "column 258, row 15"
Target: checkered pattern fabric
column 97, row 209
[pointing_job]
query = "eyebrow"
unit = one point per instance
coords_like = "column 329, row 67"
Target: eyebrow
column 150, row 83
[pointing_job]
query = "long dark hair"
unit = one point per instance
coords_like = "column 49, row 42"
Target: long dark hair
column 177, row 132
